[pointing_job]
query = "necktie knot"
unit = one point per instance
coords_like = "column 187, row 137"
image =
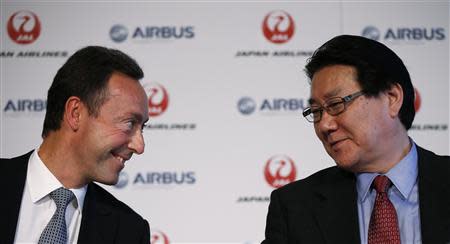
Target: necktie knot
column 381, row 183
column 62, row 197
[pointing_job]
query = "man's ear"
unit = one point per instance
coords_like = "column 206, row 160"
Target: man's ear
column 395, row 99
column 72, row 112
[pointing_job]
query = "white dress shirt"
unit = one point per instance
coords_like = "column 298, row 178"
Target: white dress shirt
column 37, row 208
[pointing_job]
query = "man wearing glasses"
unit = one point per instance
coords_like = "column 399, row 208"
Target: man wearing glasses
column 385, row 188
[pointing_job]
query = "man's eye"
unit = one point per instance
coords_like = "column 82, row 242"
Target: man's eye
column 129, row 125
column 334, row 105
column 315, row 111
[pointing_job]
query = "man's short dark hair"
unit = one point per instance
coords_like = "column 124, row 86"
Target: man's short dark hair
column 85, row 75
column 378, row 68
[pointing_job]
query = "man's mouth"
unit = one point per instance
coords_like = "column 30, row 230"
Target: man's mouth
column 121, row 159
column 336, row 143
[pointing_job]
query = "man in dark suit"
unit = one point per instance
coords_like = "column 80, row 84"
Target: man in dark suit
column 96, row 109
column 385, row 188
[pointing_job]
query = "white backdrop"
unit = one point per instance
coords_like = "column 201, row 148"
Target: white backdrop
column 234, row 97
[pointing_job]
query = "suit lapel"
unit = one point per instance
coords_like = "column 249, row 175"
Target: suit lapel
column 13, row 177
column 99, row 222
column 336, row 209
column 434, row 197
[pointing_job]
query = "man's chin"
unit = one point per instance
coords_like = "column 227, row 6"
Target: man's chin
column 109, row 182
column 347, row 165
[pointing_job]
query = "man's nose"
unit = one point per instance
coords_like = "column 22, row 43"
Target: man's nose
column 327, row 123
column 137, row 143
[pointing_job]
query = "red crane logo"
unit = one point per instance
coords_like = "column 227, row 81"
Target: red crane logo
column 24, row 27
column 278, row 27
column 279, row 171
column 158, row 99
column 158, row 237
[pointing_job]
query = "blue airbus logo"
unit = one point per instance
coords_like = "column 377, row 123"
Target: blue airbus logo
column 123, row 180
column 118, row 33
column 410, row 34
column 156, row 178
column 163, row 32
column 371, row 32
column 246, row 105
column 165, row 178
column 25, row 105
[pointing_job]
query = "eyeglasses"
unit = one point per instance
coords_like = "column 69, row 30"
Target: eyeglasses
column 333, row 106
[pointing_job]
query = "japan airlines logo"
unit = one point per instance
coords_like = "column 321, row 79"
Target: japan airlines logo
column 279, row 171
column 158, row 237
column 158, row 99
column 24, row 27
column 278, row 27
column 417, row 100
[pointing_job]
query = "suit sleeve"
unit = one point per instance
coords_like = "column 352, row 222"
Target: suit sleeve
column 145, row 237
column 276, row 226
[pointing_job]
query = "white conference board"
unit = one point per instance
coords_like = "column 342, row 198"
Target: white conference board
column 205, row 183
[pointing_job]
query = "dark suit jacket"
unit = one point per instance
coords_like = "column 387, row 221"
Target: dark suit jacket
column 105, row 219
column 323, row 209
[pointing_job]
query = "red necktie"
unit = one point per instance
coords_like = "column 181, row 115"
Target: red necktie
column 383, row 226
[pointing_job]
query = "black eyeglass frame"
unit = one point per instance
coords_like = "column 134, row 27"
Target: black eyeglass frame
column 345, row 100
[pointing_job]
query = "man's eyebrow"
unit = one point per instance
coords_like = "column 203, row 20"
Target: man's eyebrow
column 138, row 117
column 332, row 93
column 327, row 95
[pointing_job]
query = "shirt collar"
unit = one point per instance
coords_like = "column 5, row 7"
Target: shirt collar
column 41, row 181
column 403, row 176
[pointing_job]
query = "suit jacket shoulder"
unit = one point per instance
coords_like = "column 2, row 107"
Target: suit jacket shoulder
column 13, row 175
column 434, row 196
column 318, row 209
column 104, row 219
column 108, row 220
column 322, row 208
column 433, row 166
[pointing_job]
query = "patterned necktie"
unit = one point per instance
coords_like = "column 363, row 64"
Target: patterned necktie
column 383, row 226
column 56, row 230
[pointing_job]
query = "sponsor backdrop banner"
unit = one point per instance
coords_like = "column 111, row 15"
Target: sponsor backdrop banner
column 226, row 89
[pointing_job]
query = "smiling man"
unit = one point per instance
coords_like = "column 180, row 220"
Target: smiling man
column 96, row 109
column 385, row 188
